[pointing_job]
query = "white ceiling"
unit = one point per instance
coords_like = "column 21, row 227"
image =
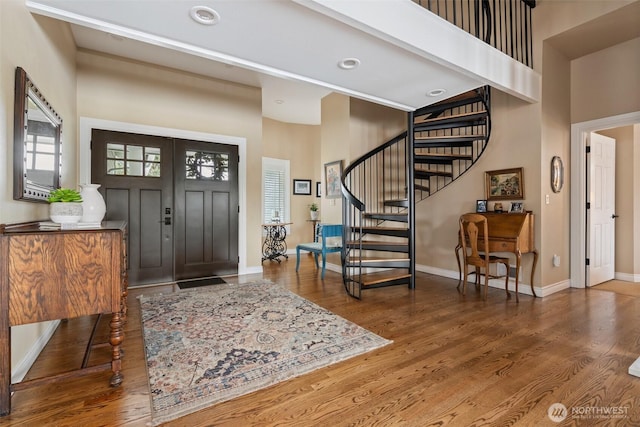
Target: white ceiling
column 291, row 49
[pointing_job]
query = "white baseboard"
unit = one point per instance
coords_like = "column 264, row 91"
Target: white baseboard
column 523, row 287
column 628, row 277
column 23, row 366
column 256, row 269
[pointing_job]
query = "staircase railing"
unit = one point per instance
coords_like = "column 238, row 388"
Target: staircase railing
column 503, row 24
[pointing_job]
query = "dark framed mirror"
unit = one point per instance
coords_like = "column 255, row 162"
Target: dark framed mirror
column 37, row 143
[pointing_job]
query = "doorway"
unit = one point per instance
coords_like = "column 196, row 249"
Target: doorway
column 87, row 124
column 601, row 213
column 579, row 224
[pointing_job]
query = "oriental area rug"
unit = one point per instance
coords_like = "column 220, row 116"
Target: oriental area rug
column 211, row 344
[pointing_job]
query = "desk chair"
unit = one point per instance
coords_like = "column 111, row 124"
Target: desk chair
column 322, row 246
column 475, row 251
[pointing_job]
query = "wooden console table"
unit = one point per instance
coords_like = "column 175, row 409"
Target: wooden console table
column 60, row 274
column 509, row 232
column 274, row 245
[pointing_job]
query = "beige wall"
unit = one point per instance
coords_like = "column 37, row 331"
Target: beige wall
column 301, row 145
column 553, row 218
column 115, row 89
column 606, row 83
column 334, row 137
column 46, row 51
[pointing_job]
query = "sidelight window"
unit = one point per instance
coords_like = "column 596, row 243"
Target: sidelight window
column 275, row 190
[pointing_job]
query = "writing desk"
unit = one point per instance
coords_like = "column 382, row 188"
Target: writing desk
column 509, row 232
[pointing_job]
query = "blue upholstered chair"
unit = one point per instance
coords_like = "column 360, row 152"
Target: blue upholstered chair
column 329, row 240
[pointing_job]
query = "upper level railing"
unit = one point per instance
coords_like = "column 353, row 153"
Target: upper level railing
column 503, row 24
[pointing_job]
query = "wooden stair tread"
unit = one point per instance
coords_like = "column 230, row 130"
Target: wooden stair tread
column 368, row 229
column 446, row 137
column 444, row 155
column 388, row 216
column 471, row 94
column 353, row 243
column 451, row 117
column 372, row 279
column 371, row 259
column 432, row 172
column 398, row 214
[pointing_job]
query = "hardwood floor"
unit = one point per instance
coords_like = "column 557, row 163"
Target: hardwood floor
column 455, row 361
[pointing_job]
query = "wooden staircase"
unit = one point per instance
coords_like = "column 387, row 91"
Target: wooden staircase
column 381, row 188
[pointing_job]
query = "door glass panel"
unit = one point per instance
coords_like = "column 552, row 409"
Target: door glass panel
column 134, row 152
column 133, row 160
column 115, row 167
column 152, row 161
column 207, row 166
column 134, row 168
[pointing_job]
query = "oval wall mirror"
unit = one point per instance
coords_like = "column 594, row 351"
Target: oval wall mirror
column 557, row 174
column 37, row 143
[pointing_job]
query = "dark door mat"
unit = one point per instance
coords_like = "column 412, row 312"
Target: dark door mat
column 188, row 284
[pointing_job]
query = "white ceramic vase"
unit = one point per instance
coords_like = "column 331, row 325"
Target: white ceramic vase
column 65, row 212
column 93, row 206
column 314, row 215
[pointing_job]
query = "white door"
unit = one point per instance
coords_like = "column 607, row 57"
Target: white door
column 602, row 188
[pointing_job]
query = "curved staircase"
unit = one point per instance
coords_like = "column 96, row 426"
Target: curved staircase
column 381, row 188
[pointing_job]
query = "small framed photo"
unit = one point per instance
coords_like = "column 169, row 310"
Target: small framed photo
column 302, row 186
column 517, row 207
column 481, row 206
column 318, row 189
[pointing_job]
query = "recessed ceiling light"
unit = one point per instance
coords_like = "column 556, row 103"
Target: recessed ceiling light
column 349, row 63
column 279, row 101
column 204, row 15
column 436, row 92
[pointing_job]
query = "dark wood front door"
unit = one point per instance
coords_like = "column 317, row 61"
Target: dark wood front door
column 135, row 174
column 206, row 216
column 179, row 198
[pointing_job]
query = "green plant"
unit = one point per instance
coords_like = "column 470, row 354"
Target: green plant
column 313, row 207
column 64, row 195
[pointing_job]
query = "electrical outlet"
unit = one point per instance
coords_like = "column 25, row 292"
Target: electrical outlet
column 546, row 199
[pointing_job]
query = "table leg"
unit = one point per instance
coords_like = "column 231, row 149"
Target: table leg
column 533, row 270
column 458, row 247
column 518, row 260
column 115, row 339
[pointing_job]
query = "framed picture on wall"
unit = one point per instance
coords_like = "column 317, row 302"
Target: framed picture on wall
column 318, row 189
column 302, row 186
column 332, row 176
column 504, row 184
